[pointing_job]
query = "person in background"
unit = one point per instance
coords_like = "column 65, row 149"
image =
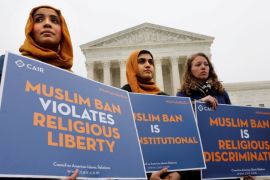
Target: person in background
column 200, row 82
column 140, row 70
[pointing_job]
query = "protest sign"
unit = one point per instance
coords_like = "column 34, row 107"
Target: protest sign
column 53, row 122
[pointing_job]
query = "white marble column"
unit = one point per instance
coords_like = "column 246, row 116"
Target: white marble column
column 175, row 74
column 107, row 72
column 158, row 71
column 90, row 69
column 123, row 79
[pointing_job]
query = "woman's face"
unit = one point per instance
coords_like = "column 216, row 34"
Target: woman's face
column 146, row 67
column 200, row 68
column 47, row 30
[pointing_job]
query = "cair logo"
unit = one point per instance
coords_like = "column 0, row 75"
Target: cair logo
column 204, row 108
column 29, row 66
column 20, row 63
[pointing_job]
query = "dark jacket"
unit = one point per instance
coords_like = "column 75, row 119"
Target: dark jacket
column 222, row 98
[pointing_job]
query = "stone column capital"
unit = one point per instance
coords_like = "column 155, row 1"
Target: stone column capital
column 122, row 62
column 174, row 59
column 106, row 64
column 89, row 63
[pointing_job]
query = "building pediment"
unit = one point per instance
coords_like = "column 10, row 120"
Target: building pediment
column 147, row 34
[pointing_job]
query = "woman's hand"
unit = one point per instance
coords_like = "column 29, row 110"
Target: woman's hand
column 156, row 175
column 173, row 176
column 170, row 176
column 210, row 100
column 249, row 178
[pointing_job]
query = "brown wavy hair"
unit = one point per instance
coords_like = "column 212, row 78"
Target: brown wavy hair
column 189, row 82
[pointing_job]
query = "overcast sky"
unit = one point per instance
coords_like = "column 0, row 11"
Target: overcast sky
column 241, row 28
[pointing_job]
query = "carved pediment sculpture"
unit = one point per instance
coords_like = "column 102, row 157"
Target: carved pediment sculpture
column 144, row 34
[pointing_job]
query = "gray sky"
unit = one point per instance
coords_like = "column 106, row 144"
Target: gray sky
column 240, row 27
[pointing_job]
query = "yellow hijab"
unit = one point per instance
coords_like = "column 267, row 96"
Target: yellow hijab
column 63, row 58
column 137, row 84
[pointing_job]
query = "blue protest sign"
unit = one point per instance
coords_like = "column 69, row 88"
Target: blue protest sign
column 53, row 122
column 167, row 131
column 235, row 140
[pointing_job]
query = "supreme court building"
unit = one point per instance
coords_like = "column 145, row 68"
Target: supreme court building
column 106, row 60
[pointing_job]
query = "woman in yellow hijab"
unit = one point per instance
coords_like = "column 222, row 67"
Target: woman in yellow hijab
column 47, row 37
column 140, row 71
column 47, row 40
